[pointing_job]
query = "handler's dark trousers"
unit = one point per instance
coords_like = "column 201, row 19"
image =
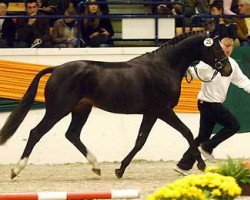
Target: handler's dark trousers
column 210, row 114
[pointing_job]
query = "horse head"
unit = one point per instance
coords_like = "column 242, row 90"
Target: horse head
column 213, row 54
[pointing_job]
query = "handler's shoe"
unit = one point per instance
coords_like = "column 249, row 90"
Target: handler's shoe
column 182, row 172
column 209, row 157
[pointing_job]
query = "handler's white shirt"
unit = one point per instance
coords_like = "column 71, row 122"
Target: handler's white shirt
column 216, row 90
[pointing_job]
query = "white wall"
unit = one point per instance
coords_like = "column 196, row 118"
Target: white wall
column 109, row 136
column 55, row 56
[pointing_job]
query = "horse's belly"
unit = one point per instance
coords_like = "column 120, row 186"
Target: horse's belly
column 120, row 107
column 115, row 105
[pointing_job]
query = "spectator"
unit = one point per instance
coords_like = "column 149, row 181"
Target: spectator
column 50, row 7
column 96, row 31
column 212, row 111
column 230, row 7
column 7, row 28
column 63, row 5
column 243, row 24
column 39, row 4
column 169, row 7
column 103, row 7
column 32, row 31
column 75, row 3
column 64, row 33
column 193, row 7
column 221, row 26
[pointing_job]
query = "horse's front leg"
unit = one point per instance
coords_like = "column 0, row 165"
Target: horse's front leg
column 173, row 120
column 145, row 128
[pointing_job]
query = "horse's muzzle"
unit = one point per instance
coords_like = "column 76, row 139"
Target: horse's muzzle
column 226, row 70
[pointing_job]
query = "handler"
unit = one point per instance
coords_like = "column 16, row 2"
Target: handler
column 212, row 111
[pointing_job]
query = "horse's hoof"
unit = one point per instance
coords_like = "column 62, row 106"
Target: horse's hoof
column 13, row 175
column 201, row 166
column 119, row 173
column 96, row 171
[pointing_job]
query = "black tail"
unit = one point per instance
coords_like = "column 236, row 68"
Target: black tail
column 18, row 114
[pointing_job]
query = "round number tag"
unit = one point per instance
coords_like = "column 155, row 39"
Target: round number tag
column 208, row 42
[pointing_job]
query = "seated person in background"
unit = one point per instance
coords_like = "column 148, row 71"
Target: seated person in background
column 221, row 26
column 50, row 7
column 169, row 8
column 243, row 24
column 62, row 7
column 74, row 2
column 192, row 6
column 39, row 4
column 230, row 7
column 96, row 32
column 32, row 32
column 64, row 4
column 64, row 33
column 103, row 7
column 7, row 28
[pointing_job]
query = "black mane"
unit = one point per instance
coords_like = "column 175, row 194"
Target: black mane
column 176, row 40
column 181, row 37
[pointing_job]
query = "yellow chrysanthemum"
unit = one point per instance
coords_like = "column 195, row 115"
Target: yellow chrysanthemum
column 212, row 169
column 216, row 192
column 199, row 187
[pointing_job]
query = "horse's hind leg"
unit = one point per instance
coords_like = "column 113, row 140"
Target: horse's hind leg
column 48, row 121
column 79, row 117
column 145, row 128
column 173, row 120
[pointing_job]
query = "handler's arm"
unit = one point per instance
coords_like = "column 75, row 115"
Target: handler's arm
column 240, row 80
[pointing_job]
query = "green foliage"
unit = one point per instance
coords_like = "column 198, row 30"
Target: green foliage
column 235, row 169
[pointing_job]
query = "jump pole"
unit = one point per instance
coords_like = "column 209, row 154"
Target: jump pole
column 113, row 194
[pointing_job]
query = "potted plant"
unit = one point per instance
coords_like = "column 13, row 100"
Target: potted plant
column 236, row 169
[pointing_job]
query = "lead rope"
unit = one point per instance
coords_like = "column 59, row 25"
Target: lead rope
column 196, row 72
column 206, row 81
column 186, row 76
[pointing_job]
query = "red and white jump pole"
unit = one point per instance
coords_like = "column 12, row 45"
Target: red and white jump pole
column 113, row 194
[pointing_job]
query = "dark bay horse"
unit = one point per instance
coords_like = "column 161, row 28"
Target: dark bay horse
column 149, row 84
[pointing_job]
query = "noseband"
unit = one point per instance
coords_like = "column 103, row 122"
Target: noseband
column 218, row 65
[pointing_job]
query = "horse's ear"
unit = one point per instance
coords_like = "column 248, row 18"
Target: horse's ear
column 208, row 34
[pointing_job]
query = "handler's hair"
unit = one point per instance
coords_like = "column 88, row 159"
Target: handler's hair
column 227, row 41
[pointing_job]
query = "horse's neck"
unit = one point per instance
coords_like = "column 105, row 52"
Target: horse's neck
column 184, row 54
